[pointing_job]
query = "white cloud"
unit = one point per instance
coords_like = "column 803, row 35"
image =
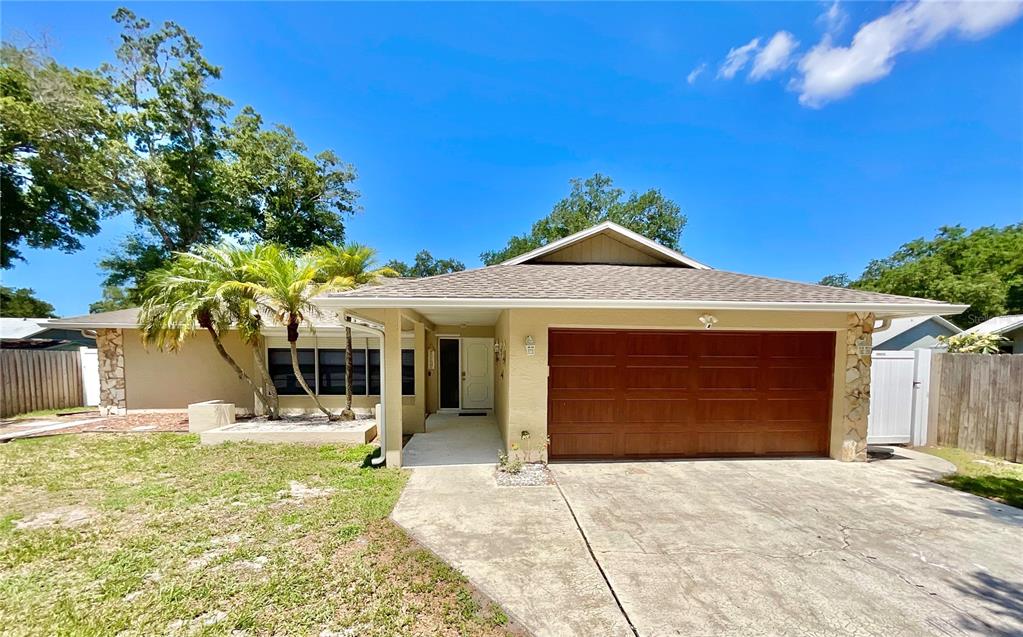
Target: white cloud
column 831, row 72
column 833, row 19
column 695, row 73
column 737, row 59
column 775, row 56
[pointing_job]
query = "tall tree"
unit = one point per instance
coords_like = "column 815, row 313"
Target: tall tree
column 114, row 298
column 22, row 303
column 205, row 289
column 425, row 265
column 291, row 199
column 53, row 136
column 349, row 266
column 592, row 201
column 983, row 269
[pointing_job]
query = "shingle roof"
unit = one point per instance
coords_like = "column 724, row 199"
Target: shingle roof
column 618, row 282
column 998, row 325
column 21, row 327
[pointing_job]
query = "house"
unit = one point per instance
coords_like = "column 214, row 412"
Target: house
column 606, row 342
column 1010, row 327
column 914, row 332
column 37, row 333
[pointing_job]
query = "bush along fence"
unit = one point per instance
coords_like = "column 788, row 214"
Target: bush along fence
column 39, row 379
column 977, row 403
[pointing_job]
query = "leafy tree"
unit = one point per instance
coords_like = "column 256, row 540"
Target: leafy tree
column 592, row 201
column 349, row 266
column 835, row 280
column 53, row 139
column 973, row 343
column 190, row 178
column 282, row 287
column 425, row 265
column 206, row 289
column 291, row 199
column 114, row 298
column 983, row 269
column 22, row 303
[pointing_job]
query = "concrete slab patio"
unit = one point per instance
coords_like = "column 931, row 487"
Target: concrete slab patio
column 758, row 547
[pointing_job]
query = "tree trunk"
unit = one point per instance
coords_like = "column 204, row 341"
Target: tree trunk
column 347, row 413
column 292, row 341
column 273, row 406
column 260, row 394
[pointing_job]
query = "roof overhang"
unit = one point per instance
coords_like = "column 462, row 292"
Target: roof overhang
column 618, row 232
column 882, row 310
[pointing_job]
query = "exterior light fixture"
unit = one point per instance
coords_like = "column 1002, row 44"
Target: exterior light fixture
column 708, row 320
column 530, row 346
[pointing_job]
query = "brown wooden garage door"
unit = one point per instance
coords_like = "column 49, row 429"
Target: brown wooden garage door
column 623, row 393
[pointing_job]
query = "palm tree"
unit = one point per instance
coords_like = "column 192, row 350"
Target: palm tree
column 190, row 292
column 349, row 266
column 282, row 287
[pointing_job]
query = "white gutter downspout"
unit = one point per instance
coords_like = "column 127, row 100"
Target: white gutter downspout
column 377, row 329
column 885, row 324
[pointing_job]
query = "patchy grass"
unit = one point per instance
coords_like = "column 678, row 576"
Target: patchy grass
column 985, row 476
column 104, row 534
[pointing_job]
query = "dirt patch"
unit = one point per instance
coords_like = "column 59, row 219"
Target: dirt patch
column 62, row 516
column 298, row 491
column 92, row 422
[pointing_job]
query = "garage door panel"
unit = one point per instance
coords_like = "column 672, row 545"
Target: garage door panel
column 656, row 377
column 583, row 410
column 683, row 394
column 584, row 378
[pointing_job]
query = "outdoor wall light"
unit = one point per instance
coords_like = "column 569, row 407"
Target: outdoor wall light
column 708, row 320
column 530, row 346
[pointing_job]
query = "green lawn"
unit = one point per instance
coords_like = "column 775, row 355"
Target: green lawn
column 142, row 534
column 988, row 477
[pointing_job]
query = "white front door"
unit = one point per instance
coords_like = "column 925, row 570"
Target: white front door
column 477, row 373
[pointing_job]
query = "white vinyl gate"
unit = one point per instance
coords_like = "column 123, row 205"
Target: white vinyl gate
column 90, row 375
column 899, row 385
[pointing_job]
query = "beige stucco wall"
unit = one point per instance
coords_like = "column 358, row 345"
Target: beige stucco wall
column 195, row 373
column 527, row 375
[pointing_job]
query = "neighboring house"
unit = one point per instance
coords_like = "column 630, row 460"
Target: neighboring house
column 606, row 342
column 37, row 333
column 914, row 332
column 1011, row 327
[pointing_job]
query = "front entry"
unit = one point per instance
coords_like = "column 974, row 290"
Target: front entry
column 466, row 373
column 650, row 394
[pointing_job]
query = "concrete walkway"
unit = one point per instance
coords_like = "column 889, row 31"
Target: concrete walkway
column 451, row 439
column 758, row 547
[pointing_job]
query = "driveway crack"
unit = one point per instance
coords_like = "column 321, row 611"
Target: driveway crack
column 596, row 562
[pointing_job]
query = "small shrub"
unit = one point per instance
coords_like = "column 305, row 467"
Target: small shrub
column 973, row 343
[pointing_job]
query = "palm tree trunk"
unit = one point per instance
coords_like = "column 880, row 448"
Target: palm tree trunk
column 348, row 414
column 260, row 394
column 292, row 341
column 273, row 406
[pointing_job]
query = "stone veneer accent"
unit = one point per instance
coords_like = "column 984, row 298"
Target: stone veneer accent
column 857, row 388
column 112, row 397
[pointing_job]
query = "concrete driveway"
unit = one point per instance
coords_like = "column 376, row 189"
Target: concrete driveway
column 758, row 547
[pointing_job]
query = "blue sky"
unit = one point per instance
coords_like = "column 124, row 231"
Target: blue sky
column 466, row 121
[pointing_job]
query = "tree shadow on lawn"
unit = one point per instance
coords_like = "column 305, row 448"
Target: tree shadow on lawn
column 1003, row 600
column 1000, row 488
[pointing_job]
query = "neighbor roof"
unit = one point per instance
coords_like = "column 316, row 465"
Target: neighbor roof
column 22, row 327
column 599, row 285
column 998, row 325
column 903, row 325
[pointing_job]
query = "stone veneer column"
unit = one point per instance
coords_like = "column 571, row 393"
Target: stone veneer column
column 112, row 398
column 857, row 388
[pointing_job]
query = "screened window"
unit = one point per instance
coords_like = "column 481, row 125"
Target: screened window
column 332, row 371
column 281, row 370
column 408, row 372
column 374, row 372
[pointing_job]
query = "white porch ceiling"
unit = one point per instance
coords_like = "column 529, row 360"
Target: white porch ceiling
column 459, row 315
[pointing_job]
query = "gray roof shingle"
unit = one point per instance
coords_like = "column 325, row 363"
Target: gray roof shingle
column 617, row 282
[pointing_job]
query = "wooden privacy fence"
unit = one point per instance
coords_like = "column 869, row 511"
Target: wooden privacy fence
column 979, row 403
column 39, row 379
